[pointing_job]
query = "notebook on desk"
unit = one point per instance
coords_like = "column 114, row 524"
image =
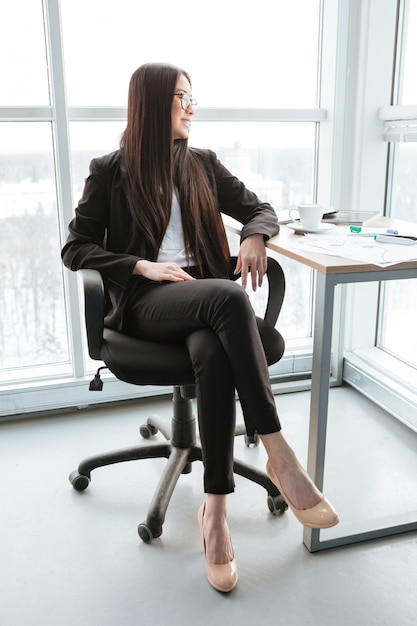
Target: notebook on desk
column 345, row 216
column 341, row 216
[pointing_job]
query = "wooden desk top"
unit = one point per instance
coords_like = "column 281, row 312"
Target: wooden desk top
column 328, row 264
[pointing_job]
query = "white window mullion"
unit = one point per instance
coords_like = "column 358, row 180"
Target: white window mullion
column 63, row 171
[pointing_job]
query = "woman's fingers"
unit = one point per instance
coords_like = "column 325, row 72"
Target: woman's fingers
column 159, row 272
column 252, row 259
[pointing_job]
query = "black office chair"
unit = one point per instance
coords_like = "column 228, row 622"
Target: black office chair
column 149, row 363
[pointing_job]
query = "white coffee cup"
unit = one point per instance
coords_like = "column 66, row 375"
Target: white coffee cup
column 308, row 215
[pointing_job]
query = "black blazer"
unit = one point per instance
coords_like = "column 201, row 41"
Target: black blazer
column 98, row 234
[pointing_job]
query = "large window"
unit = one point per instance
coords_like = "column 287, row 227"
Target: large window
column 256, row 72
column 33, row 328
column 32, row 312
column 380, row 334
column 398, row 331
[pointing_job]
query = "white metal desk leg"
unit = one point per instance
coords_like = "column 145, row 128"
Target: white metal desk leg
column 322, row 345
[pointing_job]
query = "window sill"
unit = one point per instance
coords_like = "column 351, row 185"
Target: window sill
column 385, row 380
column 58, row 391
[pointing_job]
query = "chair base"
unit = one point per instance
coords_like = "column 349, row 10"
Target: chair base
column 181, row 449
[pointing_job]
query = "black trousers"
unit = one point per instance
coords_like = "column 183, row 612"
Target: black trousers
column 215, row 319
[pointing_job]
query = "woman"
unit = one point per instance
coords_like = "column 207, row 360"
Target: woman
column 156, row 204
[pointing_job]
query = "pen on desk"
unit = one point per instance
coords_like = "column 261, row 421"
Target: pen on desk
column 403, row 241
column 359, row 230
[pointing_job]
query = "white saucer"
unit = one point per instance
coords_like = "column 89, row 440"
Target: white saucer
column 321, row 229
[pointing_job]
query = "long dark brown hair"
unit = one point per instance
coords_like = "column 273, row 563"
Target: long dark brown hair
column 155, row 165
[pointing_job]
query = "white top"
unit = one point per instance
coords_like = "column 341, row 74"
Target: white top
column 172, row 247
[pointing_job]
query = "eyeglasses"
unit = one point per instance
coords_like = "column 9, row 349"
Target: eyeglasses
column 186, row 101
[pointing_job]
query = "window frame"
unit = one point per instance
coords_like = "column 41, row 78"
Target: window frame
column 382, row 377
column 54, row 389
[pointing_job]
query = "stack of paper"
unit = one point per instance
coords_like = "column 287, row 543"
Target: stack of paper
column 341, row 242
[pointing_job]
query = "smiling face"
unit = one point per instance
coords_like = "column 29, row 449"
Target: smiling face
column 181, row 118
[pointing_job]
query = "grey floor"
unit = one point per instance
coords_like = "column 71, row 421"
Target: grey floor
column 71, row 559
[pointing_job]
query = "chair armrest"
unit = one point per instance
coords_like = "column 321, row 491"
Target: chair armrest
column 94, row 310
column 276, row 288
column 276, row 291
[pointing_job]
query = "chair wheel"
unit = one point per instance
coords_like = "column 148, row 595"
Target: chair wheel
column 147, row 431
column 251, row 440
column 78, row 481
column 276, row 504
column 147, row 534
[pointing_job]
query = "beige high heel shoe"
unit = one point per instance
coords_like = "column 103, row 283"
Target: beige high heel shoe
column 322, row 515
column 222, row 577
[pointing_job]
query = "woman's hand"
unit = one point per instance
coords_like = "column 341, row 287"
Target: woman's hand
column 161, row 271
column 252, row 258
